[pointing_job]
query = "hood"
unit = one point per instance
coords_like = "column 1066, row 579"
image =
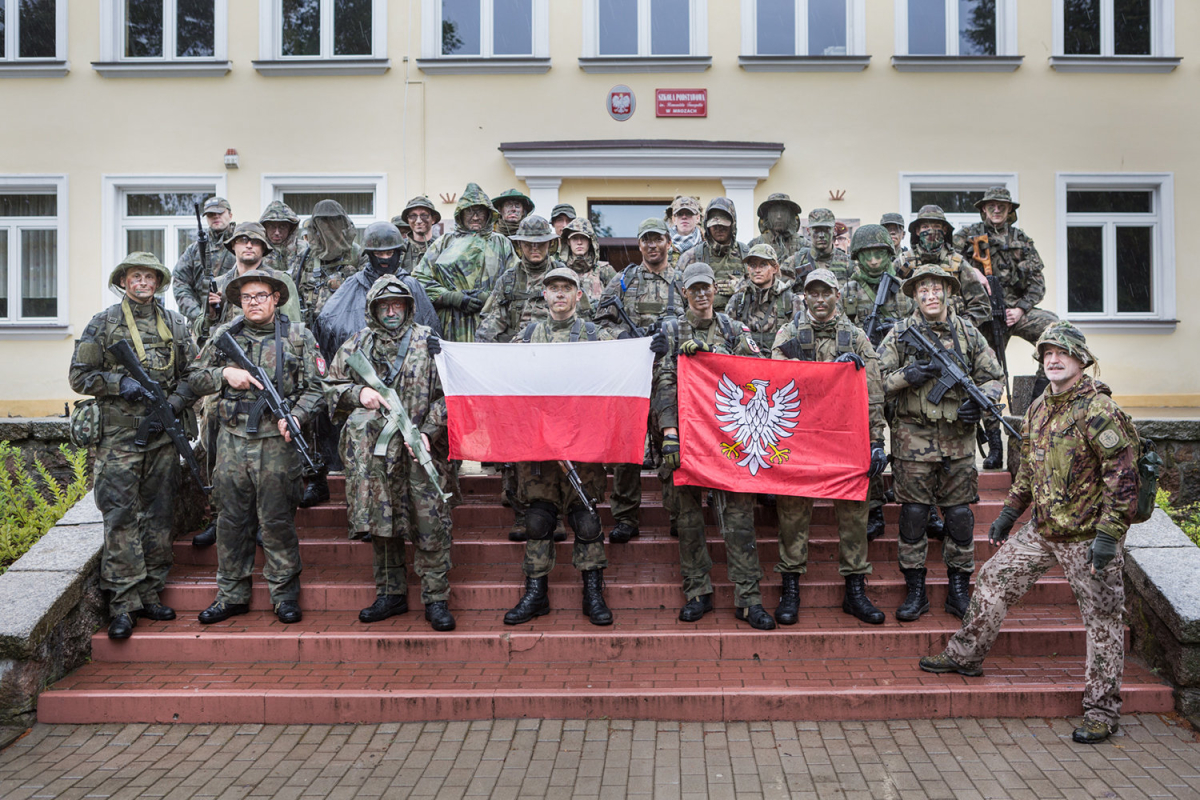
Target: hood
column 475, row 196
column 388, row 283
column 279, row 211
column 584, row 226
column 331, row 231
column 720, row 204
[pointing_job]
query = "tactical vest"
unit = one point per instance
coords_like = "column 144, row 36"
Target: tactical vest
column 288, row 344
column 739, row 307
column 580, row 327
column 803, row 345
column 646, row 307
column 914, row 402
column 162, row 357
column 519, row 299
column 721, row 323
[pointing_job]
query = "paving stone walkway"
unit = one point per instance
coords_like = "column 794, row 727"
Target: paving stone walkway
column 1152, row 756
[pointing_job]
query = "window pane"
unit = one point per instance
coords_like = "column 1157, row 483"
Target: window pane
column 775, row 28
column 143, row 28
column 1131, row 23
column 977, row 27
column 621, row 220
column 195, row 28
column 37, row 29
column 39, row 273
column 460, row 28
column 147, row 241
column 164, row 204
column 28, row 205
column 618, row 28
column 1081, row 27
column 301, row 27
column 2, row 37
column 3, row 273
column 352, row 27
column 512, row 23
column 184, row 237
column 670, row 28
column 1134, row 273
column 927, row 27
column 952, row 201
column 1109, row 202
column 356, row 203
column 1085, row 269
column 827, row 27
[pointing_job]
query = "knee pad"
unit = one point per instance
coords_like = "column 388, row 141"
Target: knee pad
column 585, row 525
column 960, row 524
column 541, row 518
column 913, row 517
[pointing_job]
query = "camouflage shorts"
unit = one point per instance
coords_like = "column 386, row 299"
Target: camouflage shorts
column 943, row 483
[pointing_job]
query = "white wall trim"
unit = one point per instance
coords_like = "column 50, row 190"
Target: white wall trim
column 856, row 32
column 431, row 38
column 15, row 182
column 13, row 66
column 591, row 34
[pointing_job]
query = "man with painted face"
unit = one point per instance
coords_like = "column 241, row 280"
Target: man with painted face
column 420, row 216
column 136, row 484
column 779, row 224
column 683, row 217
column 190, row 282
column 333, row 256
column 930, row 236
column 933, row 444
column 579, row 248
column 561, row 216
column 821, row 254
column 388, row 497
column 288, row 249
column 764, row 303
column 513, row 207
column 821, row 333
column 720, row 249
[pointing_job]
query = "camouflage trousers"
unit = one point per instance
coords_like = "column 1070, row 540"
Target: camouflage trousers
column 135, row 491
column 735, row 515
column 545, row 482
column 936, row 483
column 257, row 476
column 1012, row 571
column 626, row 500
column 875, row 493
column 795, row 518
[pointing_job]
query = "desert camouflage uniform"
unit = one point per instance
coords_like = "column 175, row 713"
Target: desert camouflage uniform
column 727, row 260
column 189, row 281
column 290, row 256
column 389, row 497
column 763, row 311
column 1078, row 471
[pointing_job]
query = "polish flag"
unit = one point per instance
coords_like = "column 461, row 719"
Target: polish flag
column 581, row 401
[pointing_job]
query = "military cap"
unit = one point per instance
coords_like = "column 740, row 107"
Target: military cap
column 563, row 209
column 718, row 216
column 999, row 193
column 513, row 194
column 652, row 225
column 252, row 230
column 821, row 218
column 561, row 274
column 215, row 205
column 824, row 276
column 399, row 222
column 931, row 213
column 1065, row 335
column 763, row 250
column 233, row 290
column 684, row 203
column 867, row 236
column 534, row 229
column 909, row 287
column 421, row 201
column 840, row 228
column 782, row 199
column 698, row 272
column 892, row 218
column 140, row 260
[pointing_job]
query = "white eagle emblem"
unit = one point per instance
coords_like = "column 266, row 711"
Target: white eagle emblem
column 757, row 425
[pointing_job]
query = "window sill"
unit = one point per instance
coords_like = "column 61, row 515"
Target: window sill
column 34, row 69
column 804, row 63
column 646, row 64
column 956, row 63
column 1144, row 64
column 503, row 65
column 162, row 69
column 322, row 66
column 31, row 332
column 1136, row 326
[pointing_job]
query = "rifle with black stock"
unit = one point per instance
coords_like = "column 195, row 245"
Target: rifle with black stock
column 981, row 253
column 888, row 285
column 577, row 485
column 202, row 251
column 615, row 302
column 158, row 407
column 269, row 399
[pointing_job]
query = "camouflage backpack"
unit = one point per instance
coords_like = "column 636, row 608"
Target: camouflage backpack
column 87, row 423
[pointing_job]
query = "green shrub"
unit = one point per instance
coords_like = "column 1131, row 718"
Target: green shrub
column 1186, row 517
column 30, row 504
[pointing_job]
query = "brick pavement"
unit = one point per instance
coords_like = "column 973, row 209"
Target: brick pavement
column 1152, row 756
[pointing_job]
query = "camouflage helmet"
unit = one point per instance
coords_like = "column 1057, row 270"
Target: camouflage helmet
column 867, row 236
column 513, row 194
column 909, row 287
column 1065, row 335
column 233, row 289
column 781, row 199
column 141, row 260
column 931, row 213
column 421, row 201
column 892, row 218
column 1001, row 194
column 580, row 226
column 763, row 251
column 561, row 274
column 251, row 230
column 563, row 209
column 381, row 236
column 821, row 218
column 534, row 229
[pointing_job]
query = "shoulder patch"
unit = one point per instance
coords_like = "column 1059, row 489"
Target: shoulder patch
column 1109, row 438
column 320, row 364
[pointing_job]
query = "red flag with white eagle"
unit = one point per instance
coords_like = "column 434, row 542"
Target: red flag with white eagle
column 579, row 401
column 773, row 427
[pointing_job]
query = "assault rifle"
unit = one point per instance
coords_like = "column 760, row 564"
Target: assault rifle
column 615, row 302
column 159, row 408
column 982, row 254
column 888, row 285
column 577, row 485
column 202, row 251
column 398, row 421
column 953, row 375
column 270, row 399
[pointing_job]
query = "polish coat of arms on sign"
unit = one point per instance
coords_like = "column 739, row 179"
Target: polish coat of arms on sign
column 756, row 425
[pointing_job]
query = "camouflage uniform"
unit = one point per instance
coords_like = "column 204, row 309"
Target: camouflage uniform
column 290, row 256
column 808, row 258
column 517, row 298
column 189, row 281
column 414, row 251
column 463, row 261
column 135, row 485
column 594, row 274
column 971, row 300
column 763, row 310
column 333, row 256
column 789, row 242
column 389, row 497
column 680, row 243
column 726, row 259
column 509, row 228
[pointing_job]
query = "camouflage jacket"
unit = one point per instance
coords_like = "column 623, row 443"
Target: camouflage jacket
column 288, row 258
column 1014, row 260
column 727, row 262
column 189, row 281
column 594, row 275
column 298, row 379
column 572, row 329
column 203, row 324
column 649, row 298
column 858, row 300
column 825, row 341
column 785, row 246
column 763, row 311
column 1078, row 465
column 923, row 431
column 463, row 261
column 413, row 252
column 972, row 301
column 721, row 333
column 808, row 259
column 320, row 279
column 515, row 301
column 170, row 360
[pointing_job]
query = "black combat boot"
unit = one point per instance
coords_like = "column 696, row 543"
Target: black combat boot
column 122, row 626
column 518, row 533
column 935, row 528
column 786, row 613
column 959, row 595
column 534, row 603
column 593, row 598
column 438, row 615
column 219, row 612
column 875, row 525
column 995, row 454
column 288, row 612
column 696, row 608
column 316, row 492
column 857, row 604
column 757, row 616
column 206, row 537
column 622, row 532
column 157, row 612
column 916, row 602
column 385, row 605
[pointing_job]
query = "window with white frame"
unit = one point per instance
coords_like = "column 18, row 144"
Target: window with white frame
column 955, row 28
column 486, row 28
column 168, row 29
column 363, row 197
column 1111, row 28
column 32, row 264
column 326, row 28
column 956, row 195
column 804, row 27
column 645, row 28
column 32, row 32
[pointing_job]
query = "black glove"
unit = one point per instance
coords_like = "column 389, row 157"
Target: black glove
column 177, row 404
column 670, row 452
column 154, row 427
column 969, row 412
column 878, row 460
column 1002, row 526
column 624, row 335
column 851, row 358
column 693, row 346
column 474, row 303
column 919, row 373
column 434, row 345
column 659, row 344
column 131, row 390
column 1102, row 551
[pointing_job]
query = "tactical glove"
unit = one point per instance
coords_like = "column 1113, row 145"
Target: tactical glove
column 453, row 300
column 878, row 460
column 969, row 412
column 474, row 303
column 131, row 390
column 919, row 373
column 659, row 344
column 670, row 452
column 1102, row 551
column 177, row 404
column 434, row 345
column 1002, row 526
column 693, row 346
column 851, row 358
column 154, row 427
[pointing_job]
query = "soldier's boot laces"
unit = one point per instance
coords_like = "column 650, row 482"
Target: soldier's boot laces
column 385, row 605
column 219, row 612
column 959, row 595
column 594, row 607
column 622, row 532
column 915, row 602
column 206, row 537
column 534, row 603
column 857, row 604
column 1093, row 731
column 944, row 663
column 316, row 492
column 995, row 454
column 935, row 528
column 288, row 612
column 122, row 626
column 875, row 526
column 788, row 610
column 438, row 615
column 757, row 616
column 696, row 608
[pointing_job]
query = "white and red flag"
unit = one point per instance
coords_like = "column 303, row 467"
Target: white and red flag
column 581, row 401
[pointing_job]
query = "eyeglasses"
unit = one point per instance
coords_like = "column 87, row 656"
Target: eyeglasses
column 420, row 215
column 255, row 299
column 242, row 240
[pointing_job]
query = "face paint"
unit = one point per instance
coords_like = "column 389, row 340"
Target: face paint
column 873, row 260
column 392, row 313
column 932, row 240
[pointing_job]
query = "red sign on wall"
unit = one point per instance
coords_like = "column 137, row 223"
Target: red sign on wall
column 681, row 102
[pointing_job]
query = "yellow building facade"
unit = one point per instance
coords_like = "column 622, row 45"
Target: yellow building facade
column 117, row 114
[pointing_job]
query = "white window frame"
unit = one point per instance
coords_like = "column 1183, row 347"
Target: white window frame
column 14, row 66
column 272, row 62
column 432, row 61
column 114, row 63
column 1162, row 185
column 856, row 29
column 953, row 181
column 15, row 326
column 697, row 59
column 1005, row 59
column 274, row 186
column 1161, row 57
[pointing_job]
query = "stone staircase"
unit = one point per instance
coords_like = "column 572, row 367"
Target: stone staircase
column 332, row 669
